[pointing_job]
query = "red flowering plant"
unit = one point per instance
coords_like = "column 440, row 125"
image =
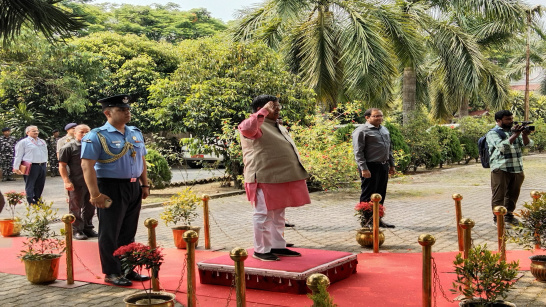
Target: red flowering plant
column 14, row 198
column 364, row 212
column 137, row 257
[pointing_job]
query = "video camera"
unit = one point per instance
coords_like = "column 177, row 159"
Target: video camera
column 525, row 126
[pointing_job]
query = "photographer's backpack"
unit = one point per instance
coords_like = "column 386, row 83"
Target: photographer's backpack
column 483, row 149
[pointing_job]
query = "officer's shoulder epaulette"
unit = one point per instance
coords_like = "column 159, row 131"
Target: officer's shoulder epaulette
column 134, row 128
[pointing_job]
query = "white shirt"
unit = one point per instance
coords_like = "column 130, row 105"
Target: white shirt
column 30, row 150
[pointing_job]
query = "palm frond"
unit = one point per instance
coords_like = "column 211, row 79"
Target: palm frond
column 44, row 16
column 495, row 86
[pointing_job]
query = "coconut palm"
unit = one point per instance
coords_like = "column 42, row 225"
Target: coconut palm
column 341, row 49
column 44, row 16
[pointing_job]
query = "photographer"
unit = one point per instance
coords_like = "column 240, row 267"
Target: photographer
column 506, row 162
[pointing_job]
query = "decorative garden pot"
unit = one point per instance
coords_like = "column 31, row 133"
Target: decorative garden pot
column 364, row 237
column 477, row 302
column 42, row 271
column 538, row 267
column 178, row 235
column 158, row 299
column 9, row 227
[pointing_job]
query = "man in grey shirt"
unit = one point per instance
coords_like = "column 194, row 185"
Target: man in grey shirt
column 373, row 154
column 74, row 183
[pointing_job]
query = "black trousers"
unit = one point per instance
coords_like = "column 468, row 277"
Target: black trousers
column 117, row 224
column 35, row 182
column 377, row 183
column 81, row 208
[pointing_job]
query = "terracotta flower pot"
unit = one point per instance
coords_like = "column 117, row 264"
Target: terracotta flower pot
column 178, row 235
column 158, row 299
column 538, row 267
column 42, row 271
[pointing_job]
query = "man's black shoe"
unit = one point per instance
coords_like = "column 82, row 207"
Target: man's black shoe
column 91, row 233
column 511, row 219
column 285, row 252
column 10, row 179
column 265, row 256
column 289, row 244
column 136, row 277
column 289, row 225
column 117, row 280
column 79, row 235
column 385, row 225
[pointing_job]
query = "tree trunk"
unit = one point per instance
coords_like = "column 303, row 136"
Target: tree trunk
column 463, row 109
column 409, row 90
column 527, row 65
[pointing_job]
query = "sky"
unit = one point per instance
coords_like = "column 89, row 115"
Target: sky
column 221, row 9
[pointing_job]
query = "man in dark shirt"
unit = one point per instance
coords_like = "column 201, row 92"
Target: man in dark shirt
column 74, row 183
column 373, row 154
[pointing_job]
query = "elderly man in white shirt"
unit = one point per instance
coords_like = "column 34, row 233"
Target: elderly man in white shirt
column 32, row 152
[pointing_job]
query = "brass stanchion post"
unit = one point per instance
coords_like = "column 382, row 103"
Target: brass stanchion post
column 466, row 225
column 191, row 238
column 500, row 212
column 206, row 225
column 376, row 198
column 68, row 219
column 536, row 195
column 459, row 215
column 151, row 224
column 315, row 280
column 239, row 255
column 426, row 241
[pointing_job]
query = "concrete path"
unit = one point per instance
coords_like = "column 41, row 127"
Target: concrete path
column 416, row 204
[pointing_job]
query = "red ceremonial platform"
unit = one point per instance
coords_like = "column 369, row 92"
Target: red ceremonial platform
column 288, row 275
column 365, row 279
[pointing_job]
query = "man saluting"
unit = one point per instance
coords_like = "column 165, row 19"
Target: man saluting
column 114, row 168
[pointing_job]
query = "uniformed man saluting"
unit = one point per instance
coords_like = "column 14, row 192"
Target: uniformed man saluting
column 114, row 169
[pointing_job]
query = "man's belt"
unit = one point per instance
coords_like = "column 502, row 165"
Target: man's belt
column 43, row 163
column 116, row 180
column 384, row 162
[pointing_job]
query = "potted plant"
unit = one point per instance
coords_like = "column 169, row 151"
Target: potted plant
column 364, row 214
column 12, row 227
column 532, row 231
column 42, row 249
column 181, row 208
column 137, row 257
column 483, row 279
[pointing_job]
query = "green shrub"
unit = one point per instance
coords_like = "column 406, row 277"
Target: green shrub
column 424, row 146
column 159, row 173
column 539, row 136
column 469, row 147
column 329, row 161
column 400, row 149
column 451, row 150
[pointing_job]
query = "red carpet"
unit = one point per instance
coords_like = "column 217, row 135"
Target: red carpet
column 383, row 279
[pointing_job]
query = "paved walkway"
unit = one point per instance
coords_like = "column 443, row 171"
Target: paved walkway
column 416, row 204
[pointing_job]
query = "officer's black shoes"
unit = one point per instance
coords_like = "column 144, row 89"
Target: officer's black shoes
column 385, row 225
column 289, row 244
column 137, row 277
column 284, row 252
column 288, row 225
column 79, row 235
column 265, row 256
column 117, row 280
column 91, row 233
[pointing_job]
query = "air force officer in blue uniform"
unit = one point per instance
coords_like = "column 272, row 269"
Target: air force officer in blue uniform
column 114, row 168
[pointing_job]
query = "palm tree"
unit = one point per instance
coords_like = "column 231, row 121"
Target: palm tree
column 341, row 49
column 43, row 15
column 455, row 70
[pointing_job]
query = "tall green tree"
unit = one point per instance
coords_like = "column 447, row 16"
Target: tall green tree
column 455, row 69
column 341, row 49
column 211, row 92
column 44, row 16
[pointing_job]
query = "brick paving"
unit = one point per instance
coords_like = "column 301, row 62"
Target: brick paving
column 416, row 204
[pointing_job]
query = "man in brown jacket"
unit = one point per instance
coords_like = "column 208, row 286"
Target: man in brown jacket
column 274, row 176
